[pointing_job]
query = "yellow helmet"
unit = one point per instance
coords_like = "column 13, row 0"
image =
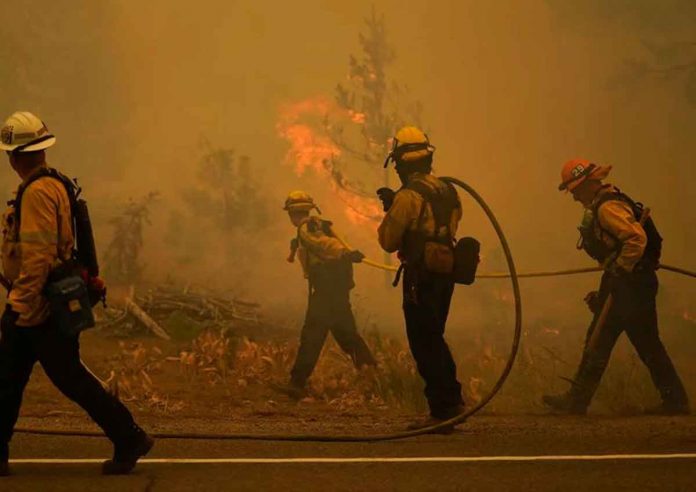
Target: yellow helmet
column 410, row 144
column 299, row 201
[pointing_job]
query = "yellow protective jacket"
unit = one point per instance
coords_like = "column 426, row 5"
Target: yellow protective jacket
column 405, row 211
column 316, row 247
column 323, row 257
column 617, row 227
column 44, row 239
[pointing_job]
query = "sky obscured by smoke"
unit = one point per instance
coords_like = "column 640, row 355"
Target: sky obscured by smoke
column 511, row 90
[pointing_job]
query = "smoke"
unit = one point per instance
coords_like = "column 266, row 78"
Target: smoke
column 510, row 91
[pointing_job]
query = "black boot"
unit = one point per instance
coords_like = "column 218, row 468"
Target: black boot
column 126, row 455
column 296, row 391
column 434, row 420
column 564, row 403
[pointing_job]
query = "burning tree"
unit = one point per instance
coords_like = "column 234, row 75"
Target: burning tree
column 375, row 104
column 121, row 258
column 353, row 130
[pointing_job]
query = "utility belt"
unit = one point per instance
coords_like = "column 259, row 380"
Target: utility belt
column 458, row 261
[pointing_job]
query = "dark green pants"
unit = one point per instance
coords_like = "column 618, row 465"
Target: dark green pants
column 633, row 311
column 328, row 310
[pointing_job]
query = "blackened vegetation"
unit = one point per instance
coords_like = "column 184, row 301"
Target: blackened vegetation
column 226, row 191
column 122, row 256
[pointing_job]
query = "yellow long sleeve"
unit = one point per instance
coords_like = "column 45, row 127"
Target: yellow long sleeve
column 45, row 236
column 616, row 217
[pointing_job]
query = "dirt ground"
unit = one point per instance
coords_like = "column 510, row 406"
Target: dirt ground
column 194, row 402
column 170, row 397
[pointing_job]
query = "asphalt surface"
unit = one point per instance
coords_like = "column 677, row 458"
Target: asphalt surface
column 573, row 439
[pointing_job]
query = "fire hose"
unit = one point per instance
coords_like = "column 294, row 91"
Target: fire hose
column 512, row 275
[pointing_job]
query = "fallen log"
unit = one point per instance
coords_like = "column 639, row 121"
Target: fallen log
column 149, row 323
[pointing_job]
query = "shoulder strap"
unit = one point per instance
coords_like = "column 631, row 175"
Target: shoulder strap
column 618, row 195
column 443, row 204
column 70, row 187
column 313, row 225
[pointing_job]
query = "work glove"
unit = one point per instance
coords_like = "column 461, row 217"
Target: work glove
column 96, row 289
column 593, row 301
column 386, row 195
column 355, row 256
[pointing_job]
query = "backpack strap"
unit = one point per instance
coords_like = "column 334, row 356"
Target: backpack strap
column 71, row 188
column 443, row 205
column 654, row 247
column 314, row 224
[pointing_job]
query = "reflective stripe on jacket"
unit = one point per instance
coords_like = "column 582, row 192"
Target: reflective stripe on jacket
column 28, row 255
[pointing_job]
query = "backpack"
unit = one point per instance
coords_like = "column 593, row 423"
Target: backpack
column 84, row 254
column 598, row 250
column 440, row 253
column 70, row 291
column 327, row 276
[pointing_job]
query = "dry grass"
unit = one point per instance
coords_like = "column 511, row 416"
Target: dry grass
column 132, row 378
column 237, row 366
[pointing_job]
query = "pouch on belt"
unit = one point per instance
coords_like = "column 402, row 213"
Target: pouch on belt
column 70, row 306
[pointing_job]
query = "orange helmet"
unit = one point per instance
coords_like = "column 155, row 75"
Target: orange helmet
column 577, row 171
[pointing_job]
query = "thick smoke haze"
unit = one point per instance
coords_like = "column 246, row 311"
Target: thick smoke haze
column 511, row 89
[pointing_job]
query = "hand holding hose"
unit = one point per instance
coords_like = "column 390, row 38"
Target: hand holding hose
column 355, row 256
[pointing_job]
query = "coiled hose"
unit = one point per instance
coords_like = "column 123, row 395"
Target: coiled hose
column 377, row 437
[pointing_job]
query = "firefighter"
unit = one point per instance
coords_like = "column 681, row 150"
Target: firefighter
column 328, row 267
column 420, row 223
column 620, row 235
column 41, row 243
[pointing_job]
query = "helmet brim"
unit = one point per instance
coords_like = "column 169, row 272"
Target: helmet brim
column 31, row 148
column 599, row 173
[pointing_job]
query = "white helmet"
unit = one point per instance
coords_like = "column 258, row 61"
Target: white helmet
column 24, row 132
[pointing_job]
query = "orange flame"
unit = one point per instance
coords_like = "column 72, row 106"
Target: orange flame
column 312, row 149
column 308, row 149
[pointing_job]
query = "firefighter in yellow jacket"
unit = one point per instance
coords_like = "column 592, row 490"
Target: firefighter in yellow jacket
column 37, row 238
column 328, row 267
column 421, row 223
column 622, row 237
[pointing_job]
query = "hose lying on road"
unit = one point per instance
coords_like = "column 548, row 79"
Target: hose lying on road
column 378, row 437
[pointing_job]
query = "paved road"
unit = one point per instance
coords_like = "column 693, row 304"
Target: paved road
column 449, row 464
